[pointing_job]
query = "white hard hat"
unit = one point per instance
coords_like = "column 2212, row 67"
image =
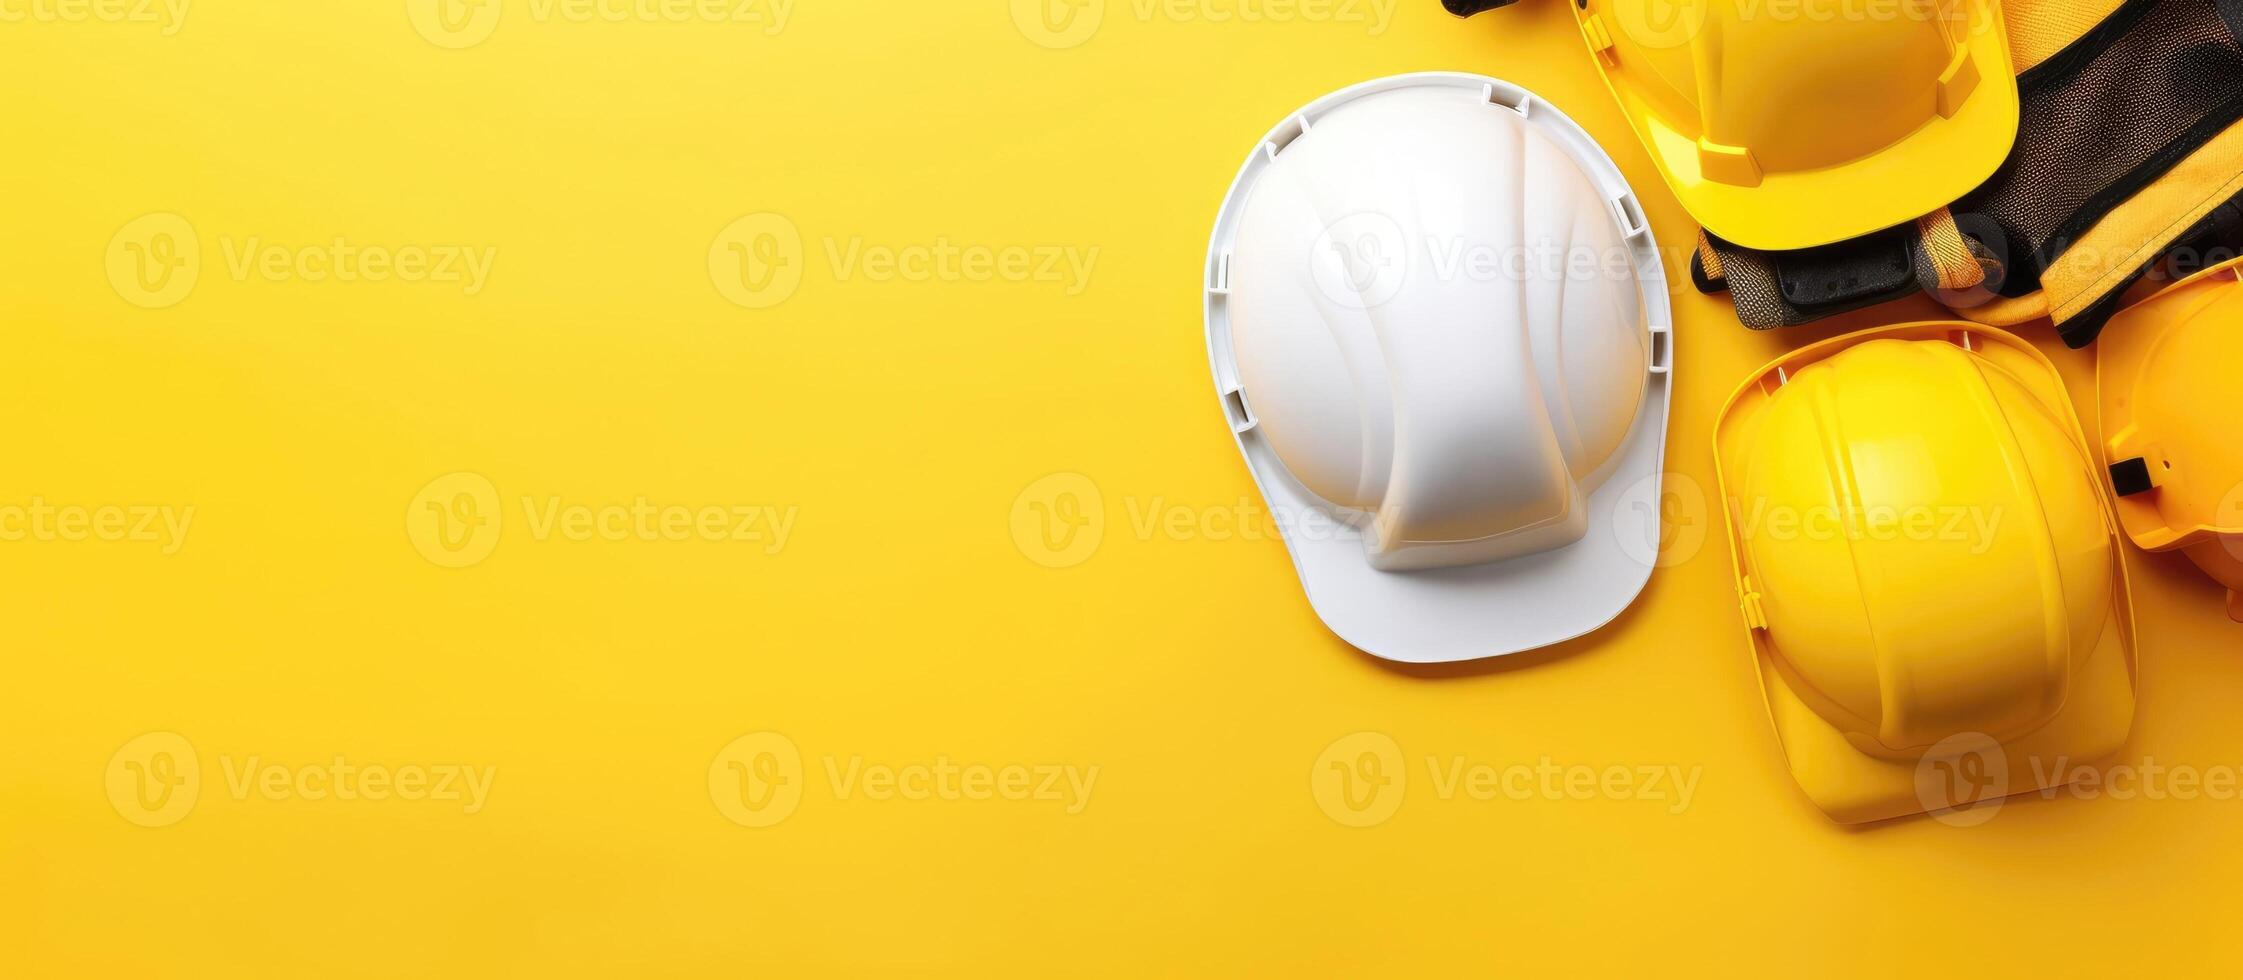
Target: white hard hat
column 1440, row 329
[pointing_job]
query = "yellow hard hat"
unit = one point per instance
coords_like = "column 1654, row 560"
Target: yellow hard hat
column 1932, row 582
column 1787, row 126
column 2166, row 377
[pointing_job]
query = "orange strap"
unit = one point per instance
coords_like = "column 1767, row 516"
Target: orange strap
column 1709, row 258
column 1950, row 255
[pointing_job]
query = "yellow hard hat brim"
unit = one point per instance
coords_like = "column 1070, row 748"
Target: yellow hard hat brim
column 1938, row 164
column 1853, row 787
column 1941, row 163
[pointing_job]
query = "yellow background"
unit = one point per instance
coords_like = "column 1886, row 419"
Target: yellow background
column 901, row 623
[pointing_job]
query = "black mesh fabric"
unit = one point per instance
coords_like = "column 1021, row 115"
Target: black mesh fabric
column 2105, row 118
column 1751, row 279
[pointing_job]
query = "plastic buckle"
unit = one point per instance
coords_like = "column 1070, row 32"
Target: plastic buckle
column 1600, row 39
column 2131, row 476
column 1748, row 599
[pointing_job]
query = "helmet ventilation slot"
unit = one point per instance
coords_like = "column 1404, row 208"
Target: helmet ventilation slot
column 1508, row 97
column 1629, row 213
column 1234, row 409
column 1219, row 274
column 1293, row 129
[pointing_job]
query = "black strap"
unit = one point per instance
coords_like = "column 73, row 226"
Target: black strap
column 1781, row 289
column 1850, row 274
